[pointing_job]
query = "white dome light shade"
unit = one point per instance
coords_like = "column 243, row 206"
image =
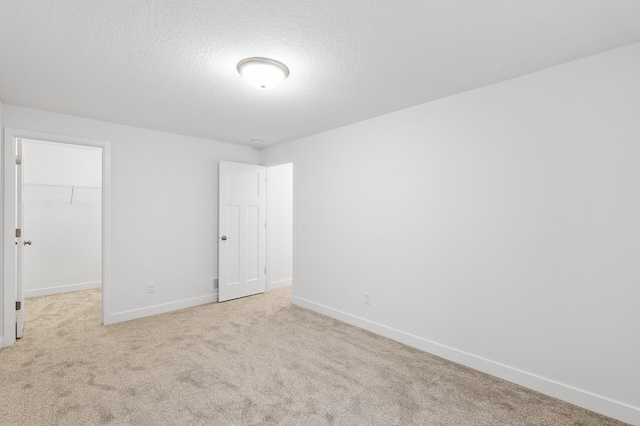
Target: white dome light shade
column 264, row 73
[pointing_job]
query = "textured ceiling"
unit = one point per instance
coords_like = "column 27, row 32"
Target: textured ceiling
column 171, row 65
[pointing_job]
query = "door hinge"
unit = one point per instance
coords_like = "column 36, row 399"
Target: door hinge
column 18, row 305
column 18, row 232
column 265, row 270
column 18, row 160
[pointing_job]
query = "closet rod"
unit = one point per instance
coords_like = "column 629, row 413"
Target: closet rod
column 61, row 186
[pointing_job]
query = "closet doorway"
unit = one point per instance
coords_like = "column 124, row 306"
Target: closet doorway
column 60, row 182
column 62, row 225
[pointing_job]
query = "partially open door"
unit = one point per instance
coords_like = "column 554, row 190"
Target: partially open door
column 241, row 230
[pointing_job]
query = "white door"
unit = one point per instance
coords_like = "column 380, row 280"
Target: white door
column 241, row 230
column 21, row 242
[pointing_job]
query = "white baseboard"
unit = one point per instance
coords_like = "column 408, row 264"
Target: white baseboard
column 281, row 283
column 590, row 401
column 161, row 309
column 62, row 289
column 1, row 342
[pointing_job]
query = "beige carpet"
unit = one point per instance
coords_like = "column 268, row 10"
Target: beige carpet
column 253, row 361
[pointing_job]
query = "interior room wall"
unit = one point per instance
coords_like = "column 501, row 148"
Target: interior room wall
column 62, row 217
column 279, row 225
column 164, row 214
column 497, row 228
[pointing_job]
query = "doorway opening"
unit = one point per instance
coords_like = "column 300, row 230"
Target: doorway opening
column 279, row 226
column 62, row 225
column 57, row 197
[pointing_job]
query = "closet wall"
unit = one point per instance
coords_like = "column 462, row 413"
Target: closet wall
column 62, row 217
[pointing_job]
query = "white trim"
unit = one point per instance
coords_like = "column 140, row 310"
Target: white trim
column 281, row 283
column 162, row 308
column 588, row 400
column 45, row 291
column 106, row 232
column 8, row 258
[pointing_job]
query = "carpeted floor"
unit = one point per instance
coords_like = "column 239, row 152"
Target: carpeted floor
column 253, row 361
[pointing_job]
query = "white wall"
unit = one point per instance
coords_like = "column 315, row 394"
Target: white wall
column 164, row 191
column 279, row 225
column 498, row 228
column 65, row 254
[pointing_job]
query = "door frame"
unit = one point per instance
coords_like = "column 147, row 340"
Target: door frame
column 8, row 227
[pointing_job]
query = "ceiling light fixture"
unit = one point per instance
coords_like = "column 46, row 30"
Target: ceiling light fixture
column 264, row 73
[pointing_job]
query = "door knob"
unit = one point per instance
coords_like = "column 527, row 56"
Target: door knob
column 224, row 238
column 27, row 243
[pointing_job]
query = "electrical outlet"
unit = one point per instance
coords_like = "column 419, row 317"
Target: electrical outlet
column 152, row 287
column 367, row 298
